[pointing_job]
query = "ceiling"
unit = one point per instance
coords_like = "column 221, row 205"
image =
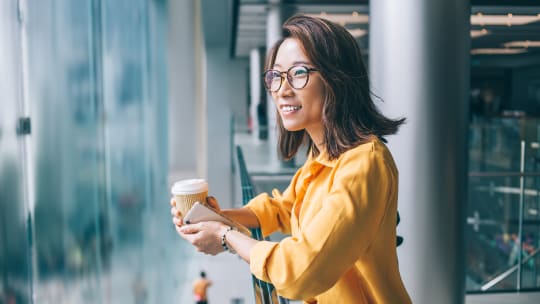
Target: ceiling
column 217, row 21
column 251, row 21
column 248, row 23
column 504, row 35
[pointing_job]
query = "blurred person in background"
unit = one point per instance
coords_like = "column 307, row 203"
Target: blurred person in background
column 200, row 288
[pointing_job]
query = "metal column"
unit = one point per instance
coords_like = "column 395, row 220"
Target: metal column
column 419, row 64
column 255, row 72
column 273, row 33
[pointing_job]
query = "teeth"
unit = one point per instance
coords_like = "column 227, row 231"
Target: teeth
column 290, row 108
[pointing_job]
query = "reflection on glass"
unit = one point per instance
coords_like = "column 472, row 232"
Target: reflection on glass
column 15, row 262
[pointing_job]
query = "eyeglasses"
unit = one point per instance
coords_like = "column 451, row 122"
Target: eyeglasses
column 297, row 76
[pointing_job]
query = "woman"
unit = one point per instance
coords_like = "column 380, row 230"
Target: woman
column 341, row 205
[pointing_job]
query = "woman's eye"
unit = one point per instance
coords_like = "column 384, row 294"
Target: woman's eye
column 273, row 76
column 299, row 72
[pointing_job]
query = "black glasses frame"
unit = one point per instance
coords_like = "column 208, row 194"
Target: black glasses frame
column 289, row 77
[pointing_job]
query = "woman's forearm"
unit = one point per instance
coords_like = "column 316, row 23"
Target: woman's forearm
column 243, row 216
column 239, row 242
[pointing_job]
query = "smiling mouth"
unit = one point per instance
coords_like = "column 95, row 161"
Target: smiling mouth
column 289, row 109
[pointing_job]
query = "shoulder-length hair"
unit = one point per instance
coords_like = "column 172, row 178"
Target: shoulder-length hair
column 350, row 116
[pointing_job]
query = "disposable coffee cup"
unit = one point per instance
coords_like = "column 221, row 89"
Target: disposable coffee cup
column 188, row 191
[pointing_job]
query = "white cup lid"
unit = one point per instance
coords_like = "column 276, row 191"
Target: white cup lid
column 189, row 186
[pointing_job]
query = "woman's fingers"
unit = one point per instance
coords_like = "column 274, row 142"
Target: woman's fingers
column 177, row 216
column 212, row 201
column 177, row 221
column 178, row 229
column 202, row 236
column 173, row 202
column 190, row 229
column 176, row 212
column 186, row 236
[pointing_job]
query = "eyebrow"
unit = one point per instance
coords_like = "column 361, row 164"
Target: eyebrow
column 294, row 63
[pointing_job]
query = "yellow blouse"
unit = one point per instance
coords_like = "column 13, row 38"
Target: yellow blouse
column 341, row 215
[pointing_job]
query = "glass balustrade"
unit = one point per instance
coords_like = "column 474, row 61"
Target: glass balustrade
column 503, row 220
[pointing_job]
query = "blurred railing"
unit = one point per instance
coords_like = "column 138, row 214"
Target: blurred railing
column 265, row 292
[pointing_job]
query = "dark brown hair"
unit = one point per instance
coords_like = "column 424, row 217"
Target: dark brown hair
column 350, row 116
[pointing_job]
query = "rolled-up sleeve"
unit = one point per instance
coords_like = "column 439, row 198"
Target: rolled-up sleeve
column 271, row 213
column 274, row 212
column 334, row 237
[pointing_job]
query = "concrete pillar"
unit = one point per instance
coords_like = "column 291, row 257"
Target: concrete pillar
column 419, row 66
column 255, row 72
column 273, row 33
column 277, row 14
column 183, row 62
column 201, row 103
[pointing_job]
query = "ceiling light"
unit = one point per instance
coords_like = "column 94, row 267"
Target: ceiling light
column 508, row 19
column 344, row 18
column 523, row 44
column 495, row 51
column 357, row 33
column 479, row 33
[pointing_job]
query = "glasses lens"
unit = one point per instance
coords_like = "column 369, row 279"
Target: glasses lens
column 272, row 80
column 298, row 76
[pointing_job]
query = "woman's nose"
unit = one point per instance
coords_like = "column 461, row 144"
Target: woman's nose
column 285, row 89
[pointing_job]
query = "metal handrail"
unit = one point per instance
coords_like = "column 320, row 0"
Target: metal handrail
column 265, row 293
column 507, row 272
column 522, row 192
column 503, row 174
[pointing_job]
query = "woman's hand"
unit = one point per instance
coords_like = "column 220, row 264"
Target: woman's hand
column 177, row 215
column 205, row 236
column 212, row 202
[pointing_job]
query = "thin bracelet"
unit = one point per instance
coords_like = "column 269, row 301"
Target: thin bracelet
column 224, row 240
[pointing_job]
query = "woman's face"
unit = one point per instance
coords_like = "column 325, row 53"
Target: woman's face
column 299, row 108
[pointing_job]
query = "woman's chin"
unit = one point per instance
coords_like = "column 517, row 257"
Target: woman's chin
column 292, row 128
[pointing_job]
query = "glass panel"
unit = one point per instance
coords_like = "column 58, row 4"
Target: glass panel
column 530, row 271
column 492, row 229
column 142, row 258
column 505, row 111
column 97, row 153
column 124, row 92
column 494, row 145
column 15, row 261
column 493, row 216
column 72, row 232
